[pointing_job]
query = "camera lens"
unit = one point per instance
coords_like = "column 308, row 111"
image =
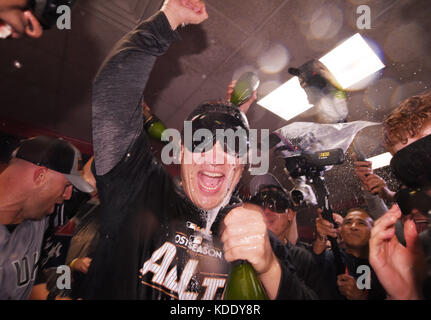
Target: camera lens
column 297, row 196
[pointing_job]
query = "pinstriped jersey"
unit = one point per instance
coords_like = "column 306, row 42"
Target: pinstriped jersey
column 19, row 254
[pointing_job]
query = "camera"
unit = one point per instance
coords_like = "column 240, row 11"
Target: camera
column 302, row 165
column 310, row 164
column 302, row 194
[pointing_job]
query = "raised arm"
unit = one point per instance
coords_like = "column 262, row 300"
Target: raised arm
column 120, row 83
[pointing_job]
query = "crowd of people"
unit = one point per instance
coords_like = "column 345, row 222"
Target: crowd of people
column 124, row 218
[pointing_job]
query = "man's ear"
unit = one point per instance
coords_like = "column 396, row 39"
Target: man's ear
column 34, row 28
column 40, row 175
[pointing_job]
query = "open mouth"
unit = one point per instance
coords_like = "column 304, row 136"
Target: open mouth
column 210, row 182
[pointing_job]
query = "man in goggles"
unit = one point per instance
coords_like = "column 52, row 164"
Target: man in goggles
column 402, row 270
column 162, row 239
column 280, row 218
column 214, row 122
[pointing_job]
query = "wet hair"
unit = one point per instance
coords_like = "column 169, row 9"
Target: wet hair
column 407, row 120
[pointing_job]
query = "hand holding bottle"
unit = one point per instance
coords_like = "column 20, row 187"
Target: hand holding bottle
column 245, row 237
column 246, row 105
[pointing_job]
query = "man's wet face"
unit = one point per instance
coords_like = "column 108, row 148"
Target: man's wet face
column 278, row 223
column 207, row 181
column 356, row 229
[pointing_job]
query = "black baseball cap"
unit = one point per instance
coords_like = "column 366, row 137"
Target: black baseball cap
column 55, row 154
column 267, row 191
column 263, row 181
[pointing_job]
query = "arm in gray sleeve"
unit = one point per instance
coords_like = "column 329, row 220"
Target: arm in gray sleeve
column 376, row 205
column 377, row 208
column 118, row 89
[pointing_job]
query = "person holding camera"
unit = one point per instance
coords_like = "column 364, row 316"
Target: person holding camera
column 403, row 270
column 359, row 281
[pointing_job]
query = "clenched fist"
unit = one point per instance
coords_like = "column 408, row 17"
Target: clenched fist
column 184, row 12
column 245, row 237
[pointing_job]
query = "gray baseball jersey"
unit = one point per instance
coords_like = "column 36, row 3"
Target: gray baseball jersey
column 19, row 254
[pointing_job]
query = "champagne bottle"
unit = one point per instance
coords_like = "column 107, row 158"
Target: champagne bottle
column 243, row 283
column 244, row 88
column 152, row 124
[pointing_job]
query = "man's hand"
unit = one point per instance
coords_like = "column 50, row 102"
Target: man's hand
column 372, row 182
column 184, row 11
column 362, row 169
column 400, row 269
column 246, row 105
column 348, row 288
column 81, row 265
column 245, row 237
column 324, row 229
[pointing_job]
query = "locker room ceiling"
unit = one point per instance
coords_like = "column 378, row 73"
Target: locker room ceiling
column 47, row 82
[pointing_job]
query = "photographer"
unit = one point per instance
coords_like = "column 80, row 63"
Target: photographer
column 402, row 270
column 355, row 232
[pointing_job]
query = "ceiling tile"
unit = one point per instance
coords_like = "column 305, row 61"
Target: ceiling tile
column 246, row 15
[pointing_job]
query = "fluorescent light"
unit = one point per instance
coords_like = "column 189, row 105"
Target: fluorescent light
column 381, row 160
column 352, row 61
column 287, row 101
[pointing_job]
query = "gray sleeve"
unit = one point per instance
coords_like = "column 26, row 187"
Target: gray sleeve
column 118, row 89
column 378, row 208
column 375, row 204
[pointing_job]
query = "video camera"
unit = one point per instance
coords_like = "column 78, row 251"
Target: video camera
column 312, row 165
column 46, row 10
column 302, row 165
